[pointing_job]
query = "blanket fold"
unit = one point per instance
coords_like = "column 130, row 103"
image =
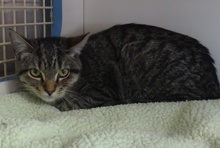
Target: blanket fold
column 26, row 121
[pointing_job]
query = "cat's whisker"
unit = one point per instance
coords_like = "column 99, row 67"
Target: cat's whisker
column 73, row 94
column 20, row 87
column 68, row 103
column 67, row 100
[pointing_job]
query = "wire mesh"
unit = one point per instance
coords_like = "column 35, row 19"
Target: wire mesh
column 30, row 18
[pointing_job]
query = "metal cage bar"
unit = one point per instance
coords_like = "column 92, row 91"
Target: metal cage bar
column 31, row 21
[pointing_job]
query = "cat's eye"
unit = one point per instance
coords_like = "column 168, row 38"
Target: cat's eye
column 64, row 73
column 35, row 73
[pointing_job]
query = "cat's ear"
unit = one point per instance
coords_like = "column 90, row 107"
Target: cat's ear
column 77, row 43
column 20, row 45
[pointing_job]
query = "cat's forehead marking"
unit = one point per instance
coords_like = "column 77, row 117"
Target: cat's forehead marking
column 48, row 55
column 54, row 57
column 43, row 56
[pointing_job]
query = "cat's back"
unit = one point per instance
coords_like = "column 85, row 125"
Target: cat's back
column 109, row 44
column 142, row 63
column 131, row 32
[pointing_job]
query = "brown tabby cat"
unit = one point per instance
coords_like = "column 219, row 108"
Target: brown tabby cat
column 124, row 64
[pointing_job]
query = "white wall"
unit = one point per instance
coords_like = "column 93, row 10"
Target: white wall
column 72, row 22
column 197, row 18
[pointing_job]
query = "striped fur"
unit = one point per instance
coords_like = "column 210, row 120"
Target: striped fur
column 123, row 64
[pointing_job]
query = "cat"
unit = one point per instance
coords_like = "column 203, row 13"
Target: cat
column 129, row 63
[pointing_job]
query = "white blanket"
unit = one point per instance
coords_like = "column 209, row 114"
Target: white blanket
column 28, row 122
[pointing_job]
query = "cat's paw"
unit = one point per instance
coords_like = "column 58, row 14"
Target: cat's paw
column 63, row 107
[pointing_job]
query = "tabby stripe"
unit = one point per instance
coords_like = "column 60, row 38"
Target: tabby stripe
column 112, row 45
column 74, row 70
column 123, row 35
column 22, row 72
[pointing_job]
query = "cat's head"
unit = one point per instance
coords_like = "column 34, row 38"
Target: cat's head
column 48, row 66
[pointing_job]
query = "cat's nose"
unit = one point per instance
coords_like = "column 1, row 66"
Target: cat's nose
column 49, row 87
column 49, row 92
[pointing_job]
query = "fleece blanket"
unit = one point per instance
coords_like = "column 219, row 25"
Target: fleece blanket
column 26, row 121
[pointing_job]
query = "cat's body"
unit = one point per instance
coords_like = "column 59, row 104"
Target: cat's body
column 124, row 64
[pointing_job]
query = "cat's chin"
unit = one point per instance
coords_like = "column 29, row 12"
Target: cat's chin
column 49, row 99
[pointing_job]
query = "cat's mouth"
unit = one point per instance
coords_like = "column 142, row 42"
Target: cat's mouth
column 49, row 98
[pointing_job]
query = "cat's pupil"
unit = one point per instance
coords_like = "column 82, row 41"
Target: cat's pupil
column 34, row 72
column 63, row 72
